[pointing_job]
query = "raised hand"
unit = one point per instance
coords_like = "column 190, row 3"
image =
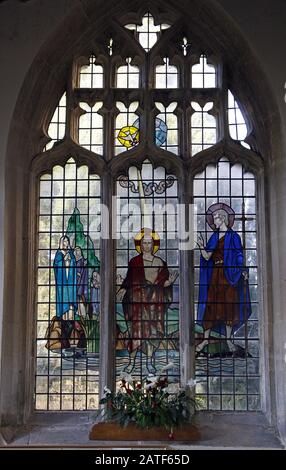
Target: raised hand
column 119, row 280
column 173, row 276
column 245, row 275
column 200, row 241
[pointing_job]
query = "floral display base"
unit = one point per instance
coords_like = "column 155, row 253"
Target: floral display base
column 110, row 431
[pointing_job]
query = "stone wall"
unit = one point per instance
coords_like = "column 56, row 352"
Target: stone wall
column 24, row 28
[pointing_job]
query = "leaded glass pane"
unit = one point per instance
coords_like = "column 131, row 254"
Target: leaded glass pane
column 237, row 125
column 57, row 126
column 166, row 75
column 127, row 127
column 147, row 305
column 91, row 75
column 203, row 74
column 127, row 75
column 225, row 288
column 90, row 132
column 203, row 128
column 166, row 128
column 68, row 291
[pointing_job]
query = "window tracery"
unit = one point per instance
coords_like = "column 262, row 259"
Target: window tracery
column 135, row 104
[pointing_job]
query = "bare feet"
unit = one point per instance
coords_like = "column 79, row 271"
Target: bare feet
column 231, row 346
column 201, row 346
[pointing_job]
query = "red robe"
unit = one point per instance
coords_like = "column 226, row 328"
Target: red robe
column 145, row 305
column 222, row 306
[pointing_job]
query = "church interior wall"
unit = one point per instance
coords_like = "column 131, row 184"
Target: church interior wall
column 25, row 27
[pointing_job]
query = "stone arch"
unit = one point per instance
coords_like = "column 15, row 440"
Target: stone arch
column 38, row 97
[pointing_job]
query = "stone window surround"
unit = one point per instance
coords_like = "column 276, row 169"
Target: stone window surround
column 25, row 143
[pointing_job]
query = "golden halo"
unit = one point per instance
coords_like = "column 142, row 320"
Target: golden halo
column 140, row 235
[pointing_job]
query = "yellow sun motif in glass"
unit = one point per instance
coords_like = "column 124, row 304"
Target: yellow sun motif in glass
column 128, row 136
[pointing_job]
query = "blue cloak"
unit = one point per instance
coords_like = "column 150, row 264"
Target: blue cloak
column 66, row 286
column 233, row 269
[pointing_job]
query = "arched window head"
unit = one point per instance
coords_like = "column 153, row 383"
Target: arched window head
column 166, row 75
column 203, row 74
column 91, row 75
column 127, row 75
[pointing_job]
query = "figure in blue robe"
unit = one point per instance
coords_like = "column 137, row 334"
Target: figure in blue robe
column 224, row 299
column 65, row 271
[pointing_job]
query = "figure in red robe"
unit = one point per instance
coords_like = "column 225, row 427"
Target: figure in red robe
column 146, row 293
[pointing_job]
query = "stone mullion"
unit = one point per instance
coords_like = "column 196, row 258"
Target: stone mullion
column 70, row 121
column 186, row 294
column 222, row 127
column 107, row 316
column 186, row 128
column 147, row 128
column 187, row 353
column 107, row 269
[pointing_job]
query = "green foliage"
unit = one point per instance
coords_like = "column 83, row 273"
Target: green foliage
column 75, row 231
column 148, row 403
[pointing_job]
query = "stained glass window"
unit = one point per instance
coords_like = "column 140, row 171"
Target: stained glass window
column 166, row 128
column 166, row 75
column 203, row 74
column 203, row 127
column 152, row 101
column 128, row 75
column 127, row 127
column 147, row 308
column 57, row 126
column 226, row 289
column 91, row 75
column 68, row 295
column 148, row 32
column 237, row 125
column 91, row 128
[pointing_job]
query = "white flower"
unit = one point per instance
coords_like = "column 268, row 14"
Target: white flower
column 107, row 391
column 127, row 377
column 172, row 388
column 149, row 386
column 191, row 383
column 152, row 378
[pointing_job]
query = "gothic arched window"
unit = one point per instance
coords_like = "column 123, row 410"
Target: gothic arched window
column 148, row 117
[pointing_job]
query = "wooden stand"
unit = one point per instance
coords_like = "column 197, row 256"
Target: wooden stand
column 110, row 431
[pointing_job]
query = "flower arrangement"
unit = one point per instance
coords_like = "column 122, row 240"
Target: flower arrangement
column 147, row 403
